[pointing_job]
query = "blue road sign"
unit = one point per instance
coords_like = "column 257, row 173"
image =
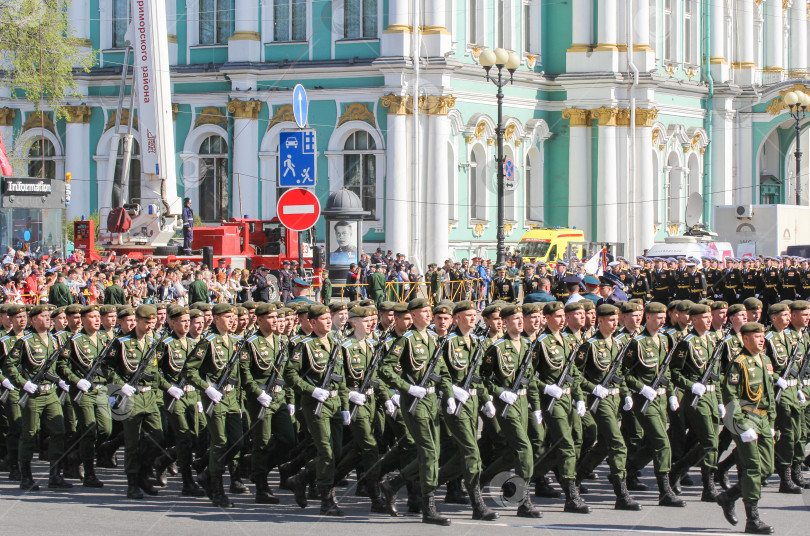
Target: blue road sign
column 508, row 168
column 300, row 105
column 296, row 158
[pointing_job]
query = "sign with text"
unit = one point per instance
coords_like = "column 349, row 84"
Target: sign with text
column 296, row 159
column 26, row 186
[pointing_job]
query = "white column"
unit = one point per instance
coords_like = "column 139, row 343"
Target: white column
column 607, row 210
column 245, row 44
column 744, row 145
column 645, row 208
column 798, row 40
column 605, row 55
column 643, row 54
column 579, row 170
column 436, row 212
column 396, row 38
column 718, row 59
column 577, row 57
column 171, row 28
column 396, row 184
column 722, row 148
column 745, row 62
column 77, row 161
column 435, row 36
column 774, row 28
column 245, row 167
column 79, row 14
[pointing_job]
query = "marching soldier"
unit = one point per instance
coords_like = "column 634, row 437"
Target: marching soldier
column 791, row 281
column 17, row 319
column 530, row 281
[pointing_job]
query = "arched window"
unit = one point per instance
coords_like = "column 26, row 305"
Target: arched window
column 214, row 197
column 360, row 169
column 40, row 159
column 215, row 22
column 478, row 176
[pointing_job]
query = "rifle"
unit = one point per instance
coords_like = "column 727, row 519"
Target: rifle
column 368, row 382
column 790, row 369
column 274, row 379
column 565, row 376
column 661, row 380
column 429, row 375
column 612, row 377
column 709, row 373
column 140, row 372
column 329, row 373
column 474, row 362
column 520, row 377
column 97, row 364
column 225, row 378
column 44, row 373
column 804, row 370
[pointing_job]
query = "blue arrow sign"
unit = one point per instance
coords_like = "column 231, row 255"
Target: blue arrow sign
column 300, row 105
column 296, row 158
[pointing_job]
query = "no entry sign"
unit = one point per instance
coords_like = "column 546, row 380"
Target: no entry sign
column 298, row 209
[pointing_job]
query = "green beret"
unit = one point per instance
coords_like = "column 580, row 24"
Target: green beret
column 196, row 305
column 89, row 309
column 510, row 310
column 125, row 312
column 630, row 307
column 37, row 309
column 638, row 301
column 752, row 327
column 491, row 309
column 223, row 308
column 367, row 303
column 178, row 311
column 752, row 304
column 699, row 309
column 302, row 308
column 800, row 305
column 442, row 309
column 206, row 307
column 146, row 311
column 338, row 306
column 3, row 308
column 673, row 305
column 387, row 306
column 734, row 309
column 360, row 312
column 265, row 309
column 588, row 305
column 607, row 309
column 655, row 307
column 684, row 306
column 575, row 306
column 718, row 305
column 73, row 309
column 250, row 305
column 777, row 308
column 107, row 309
column 400, row 308
column 57, row 311
column 551, row 307
column 283, row 311
column 195, row 313
column 159, row 306
column 531, row 308
column 418, row 303
column 241, row 311
column 316, row 309
column 352, row 304
column 13, row 309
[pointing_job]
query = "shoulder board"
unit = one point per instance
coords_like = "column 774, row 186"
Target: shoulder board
column 543, row 336
column 302, row 341
column 670, row 331
column 237, row 337
column 499, row 341
column 431, row 332
column 253, row 337
column 689, row 337
column 73, row 338
column 638, row 337
column 408, row 334
column 167, row 339
column 740, row 359
column 210, row 337
column 124, row 338
column 769, row 335
column 26, row 337
column 59, row 332
column 389, row 339
column 347, row 344
column 451, row 336
column 592, row 340
column 4, row 337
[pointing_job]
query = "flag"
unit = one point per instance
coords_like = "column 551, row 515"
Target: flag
column 597, row 263
column 5, row 165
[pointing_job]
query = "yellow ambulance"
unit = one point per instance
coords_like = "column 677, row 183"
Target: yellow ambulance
column 549, row 245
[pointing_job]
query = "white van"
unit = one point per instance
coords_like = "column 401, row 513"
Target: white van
column 689, row 246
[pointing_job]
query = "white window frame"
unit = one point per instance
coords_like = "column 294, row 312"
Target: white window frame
column 268, row 22
column 534, row 198
column 484, row 169
column 479, row 32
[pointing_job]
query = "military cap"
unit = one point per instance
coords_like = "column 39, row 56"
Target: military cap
column 606, row 281
column 387, row 306
column 107, row 309
column 278, row 303
column 178, row 311
column 752, row 327
column 337, row 307
column 89, row 309
column 510, row 310
column 400, row 308
column 433, row 265
column 752, row 304
column 561, row 262
column 718, row 305
column 125, row 312
column 196, row 305
column 673, row 305
column 146, row 311
column 550, row 308
column 685, row 306
column 351, row 304
column 205, row 307
column 358, row 311
column 73, row 309
column 241, row 311
column 655, row 308
column 492, row 308
column 571, row 280
column 501, row 267
column 699, row 309
column 418, row 303
column 462, row 306
column 316, row 310
column 735, row 309
column 531, row 308
column 607, row 309
column 195, row 313
column 588, row 305
column 250, row 305
column 613, row 264
column 706, row 301
column 3, row 308
column 37, row 309
column 160, row 306
column 366, row 303
column 777, row 308
column 630, row 307
column 300, row 282
column 284, row 311
column 800, row 305
column 223, row 308
column 786, row 302
column 302, row 308
column 13, row 309
column 265, row 309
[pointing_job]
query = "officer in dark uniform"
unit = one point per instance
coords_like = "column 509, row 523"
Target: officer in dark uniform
column 559, row 288
column 530, row 281
column 188, row 226
column 750, row 281
column 681, row 278
column 285, row 284
column 660, row 281
column 697, row 282
column 732, row 281
column 640, row 288
column 503, row 288
column 261, row 289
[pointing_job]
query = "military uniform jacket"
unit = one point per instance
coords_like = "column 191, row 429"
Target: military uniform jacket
column 550, row 360
column 458, row 354
column 778, row 348
column 732, row 282
column 307, row 366
column 640, row 289
column 690, row 360
column 173, row 358
column 79, row 355
column 531, row 284
column 643, row 360
column 598, row 354
column 207, row 362
column 260, row 363
column 751, row 282
column 7, row 341
column 791, row 281
column 697, row 286
column 28, row 356
column 501, row 364
column 407, row 361
column 125, row 357
column 771, row 280
column 357, row 357
column 661, row 285
column 748, row 389
column 376, row 285
column 503, row 289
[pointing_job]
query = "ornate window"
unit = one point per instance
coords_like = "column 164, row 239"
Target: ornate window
column 360, row 19
column 213, row 192
column 289, row 20
column 41, row 162
column 215, row 22
column 360, row 169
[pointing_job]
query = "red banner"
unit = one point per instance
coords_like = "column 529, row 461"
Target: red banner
column 5, row 165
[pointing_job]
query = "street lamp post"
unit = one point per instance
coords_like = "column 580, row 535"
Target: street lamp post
column 500, row 59
column 797, row 103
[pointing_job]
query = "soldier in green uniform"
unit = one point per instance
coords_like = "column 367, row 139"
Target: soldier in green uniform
column 25, row 360
column 434, row 280
column 748, row 392
column 502, row 362
column 642, row 365
column 93, row 410
column 114, row 294
column 142, row 427
column 376, row 285
column 109, row 317
column 17, row 319
column 59, row 293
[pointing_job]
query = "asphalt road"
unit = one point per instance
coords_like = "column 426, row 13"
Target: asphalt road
column 108, row 511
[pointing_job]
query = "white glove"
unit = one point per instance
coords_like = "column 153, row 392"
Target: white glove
column 213, row 394
column 581, row 408
column 489, row 409
column 802, row 398
column 781, row 382
column 773, row 432
column 648, row 393
column 461, row 395
column 673, row 403
column 8, row 385
column 264, row 399
column 451, row 406
column 417, row 392
column 63, row 385
column 390, row 408
column 553, row 390
column 127, row 390
column 199, row 406
column 508, row 396
column 30, row 387
column 357, row 398
column 395, row 399
column 600, row 391
column 174, row 391
column 291, row 409
column 722, row 409
column 83, row 385
column 321, row 395
column 628, row 403
column 748, row 436
column 347, row 418
column 698, row 389
column 538, row 416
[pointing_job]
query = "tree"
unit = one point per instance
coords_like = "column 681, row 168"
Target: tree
column 39, row 53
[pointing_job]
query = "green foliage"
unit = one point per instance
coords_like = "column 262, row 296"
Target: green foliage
column 37, row 45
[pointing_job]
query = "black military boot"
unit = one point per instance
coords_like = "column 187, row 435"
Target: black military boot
column 105, row 453
column 329, row 507
column 429, row 513
column 218, row 491
column 237, row 486
column 27, row 478
column 454, row 494
column 623, row 499
column 313, row 493
column 797, row 476
column 389, row 489
column 573, row 502
column 204, row 480
column 161, row 467
column 726, row 500
column 723, row 467
column 298, row 485
column 542, row 488
column 190, row 487
column 480, row 511
column 263, row 493
column 14, row 471
column 634, row 483
column 678, row 474
column 414, row 497
column 379, row 502
column 526, row 508
column 70, row 466
column 56, row 481
column 786, row 484
column 133, row 491
column 146, row 484
column 285, row 471
column 709, row 491
column 753, row 524
column 666, row 497
column 90, row 479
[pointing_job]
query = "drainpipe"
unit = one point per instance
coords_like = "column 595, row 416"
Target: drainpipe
column 631, row 66
column 707, row 121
